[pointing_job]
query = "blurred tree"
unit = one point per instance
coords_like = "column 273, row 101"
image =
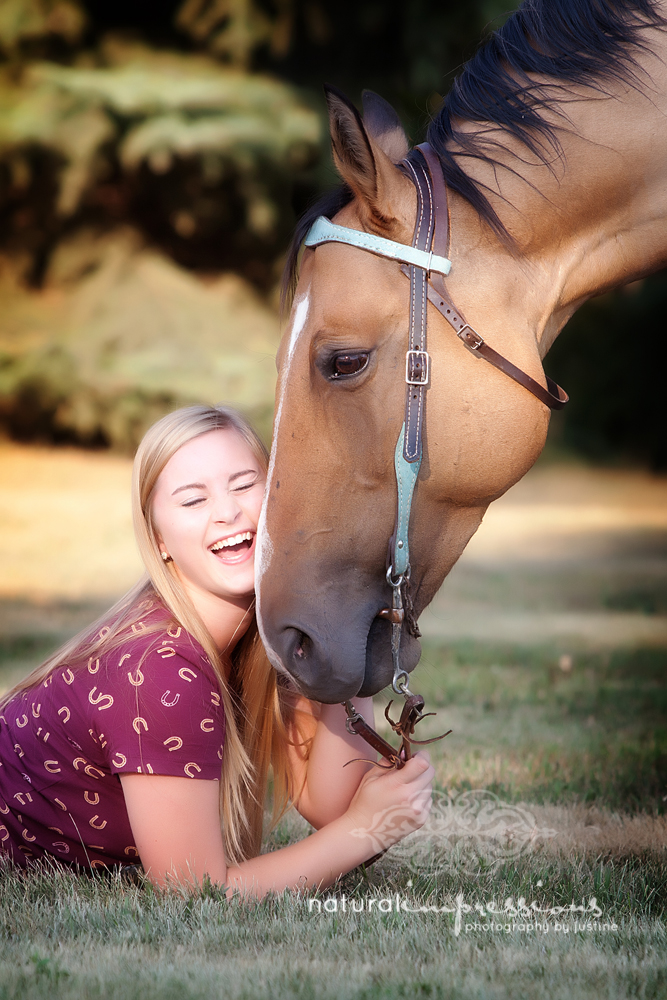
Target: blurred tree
column 234, row 29
column 119, row 335
column 107, row 144
column 200, row 155
column 406, row 51
column 26, row 23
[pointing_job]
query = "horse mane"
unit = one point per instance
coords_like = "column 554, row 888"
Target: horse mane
column 570, row 41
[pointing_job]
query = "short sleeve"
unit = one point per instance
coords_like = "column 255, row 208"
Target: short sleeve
column 166, row 717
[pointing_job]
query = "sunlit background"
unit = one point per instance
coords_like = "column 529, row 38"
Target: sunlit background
column 153, row 160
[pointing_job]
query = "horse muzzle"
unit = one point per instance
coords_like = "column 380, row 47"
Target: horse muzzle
column 333, row 658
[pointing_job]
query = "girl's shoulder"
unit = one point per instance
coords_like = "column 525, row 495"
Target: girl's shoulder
column 157, row 638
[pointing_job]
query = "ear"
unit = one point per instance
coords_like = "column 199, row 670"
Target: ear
column 384, row 126
column 380, row 187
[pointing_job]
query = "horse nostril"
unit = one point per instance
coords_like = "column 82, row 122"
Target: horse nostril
column 301, row 648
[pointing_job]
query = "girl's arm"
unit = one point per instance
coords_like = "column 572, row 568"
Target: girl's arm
column 176, row 826
column 324, row 780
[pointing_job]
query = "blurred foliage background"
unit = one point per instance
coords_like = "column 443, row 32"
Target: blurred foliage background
column 153, row 159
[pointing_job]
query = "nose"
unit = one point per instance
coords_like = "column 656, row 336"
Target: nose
column 226, row 509
column 305, row 656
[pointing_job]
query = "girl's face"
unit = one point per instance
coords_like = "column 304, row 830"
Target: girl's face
column 205, row 509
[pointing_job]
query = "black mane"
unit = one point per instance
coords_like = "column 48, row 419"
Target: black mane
column 570, row 41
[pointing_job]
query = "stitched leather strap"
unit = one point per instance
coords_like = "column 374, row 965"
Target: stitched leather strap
column 417, row 361
column 440, row 199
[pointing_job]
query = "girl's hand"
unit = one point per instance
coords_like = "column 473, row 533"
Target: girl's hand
column 390, row 804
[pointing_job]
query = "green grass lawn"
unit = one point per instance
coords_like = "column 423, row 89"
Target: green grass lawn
column 591, row 738
column 527, row 729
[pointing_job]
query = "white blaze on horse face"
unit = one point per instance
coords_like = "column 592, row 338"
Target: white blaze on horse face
column 264, row 545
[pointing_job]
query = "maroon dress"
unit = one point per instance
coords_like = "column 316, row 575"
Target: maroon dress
column 151, row 706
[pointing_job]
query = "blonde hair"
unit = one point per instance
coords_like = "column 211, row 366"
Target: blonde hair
column 256, row 733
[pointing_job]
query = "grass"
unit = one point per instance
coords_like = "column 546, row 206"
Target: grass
column 525, row 728
column 586, row 741
column 68, row 936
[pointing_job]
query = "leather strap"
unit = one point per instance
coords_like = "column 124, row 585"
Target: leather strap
column 417, row 360
column 356, row 724
column 553, row 396
column 440, row 199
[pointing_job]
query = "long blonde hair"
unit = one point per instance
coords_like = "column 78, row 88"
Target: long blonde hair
column 256, row 733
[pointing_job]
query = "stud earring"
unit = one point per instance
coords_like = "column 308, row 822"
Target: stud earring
column 167, row 558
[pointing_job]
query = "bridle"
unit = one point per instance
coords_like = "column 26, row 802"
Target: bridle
column 425, row 263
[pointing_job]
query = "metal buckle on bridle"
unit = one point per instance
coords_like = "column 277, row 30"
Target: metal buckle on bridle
column 417, row 367
column 471, row 340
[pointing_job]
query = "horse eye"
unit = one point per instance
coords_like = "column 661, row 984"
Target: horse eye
column 349, row 364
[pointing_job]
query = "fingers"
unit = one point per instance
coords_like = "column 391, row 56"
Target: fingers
column 417, row 770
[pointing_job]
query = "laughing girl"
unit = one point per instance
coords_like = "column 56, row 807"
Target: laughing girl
column 148, row 738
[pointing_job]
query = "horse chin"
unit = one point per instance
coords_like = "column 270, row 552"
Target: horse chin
column 379, row 670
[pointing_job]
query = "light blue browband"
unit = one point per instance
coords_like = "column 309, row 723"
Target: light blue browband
column 324, row 231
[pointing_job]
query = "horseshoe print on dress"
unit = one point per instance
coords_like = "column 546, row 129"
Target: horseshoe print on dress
column 138, row 678
column 100, row 698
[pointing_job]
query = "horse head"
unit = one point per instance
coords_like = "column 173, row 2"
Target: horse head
column 553, row 147
column 330, row 506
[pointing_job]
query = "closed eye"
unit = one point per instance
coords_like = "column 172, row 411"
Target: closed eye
column 245, row 486
column 193, row 502
column 349, row 363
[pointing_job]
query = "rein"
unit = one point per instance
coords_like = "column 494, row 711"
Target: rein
column 424, row 263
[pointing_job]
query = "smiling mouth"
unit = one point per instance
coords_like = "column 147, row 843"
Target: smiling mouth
column 235, row 545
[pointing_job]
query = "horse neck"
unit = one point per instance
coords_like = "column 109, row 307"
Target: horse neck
column 597, row 220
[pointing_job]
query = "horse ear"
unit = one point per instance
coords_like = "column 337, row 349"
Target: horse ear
column 362, row 162
column 383, row 124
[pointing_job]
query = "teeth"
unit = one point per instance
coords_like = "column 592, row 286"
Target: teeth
column 244, row 536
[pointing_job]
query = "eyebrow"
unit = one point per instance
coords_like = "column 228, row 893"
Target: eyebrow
column 245, row 472
column 189, row 486
column 202, row 486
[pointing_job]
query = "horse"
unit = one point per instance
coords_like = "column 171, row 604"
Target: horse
column 552, row 150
